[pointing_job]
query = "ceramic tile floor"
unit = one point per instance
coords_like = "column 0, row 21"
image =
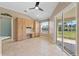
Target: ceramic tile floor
column 31, row 47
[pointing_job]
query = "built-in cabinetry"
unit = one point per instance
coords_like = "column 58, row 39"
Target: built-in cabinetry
column 28, row 31
column 25, row 28
column 19, row 29
column 37, row 29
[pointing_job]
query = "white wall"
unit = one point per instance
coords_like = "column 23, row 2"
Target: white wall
column 52, row 29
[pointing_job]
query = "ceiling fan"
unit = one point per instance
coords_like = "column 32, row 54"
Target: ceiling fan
column 36, row 7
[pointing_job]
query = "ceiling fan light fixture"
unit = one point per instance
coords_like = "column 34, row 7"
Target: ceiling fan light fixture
column 36, row 8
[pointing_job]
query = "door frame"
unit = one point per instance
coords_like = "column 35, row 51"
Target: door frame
column 60, row 13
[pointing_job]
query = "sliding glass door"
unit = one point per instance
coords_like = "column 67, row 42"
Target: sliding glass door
column 59, row 30
column 70, row 31
column 66, row 30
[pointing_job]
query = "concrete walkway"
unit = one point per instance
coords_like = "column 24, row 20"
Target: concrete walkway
column 69, row 45
column 67, row 40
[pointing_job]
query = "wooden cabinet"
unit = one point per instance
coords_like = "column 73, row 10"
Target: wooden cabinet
column 20, row 26
column 15, row 29
column 19, row 29
column 36, row 28
column 27, row 23
column 24, row 29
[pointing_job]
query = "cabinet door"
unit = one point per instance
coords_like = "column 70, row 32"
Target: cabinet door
column 24, row 29
column 37, row 28
column 19, row 29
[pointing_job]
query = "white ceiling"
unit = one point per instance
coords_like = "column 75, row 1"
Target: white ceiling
column 48, row 8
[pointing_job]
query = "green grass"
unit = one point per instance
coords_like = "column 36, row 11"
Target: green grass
column 67, row 34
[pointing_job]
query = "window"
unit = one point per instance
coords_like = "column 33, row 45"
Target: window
column 44, row 26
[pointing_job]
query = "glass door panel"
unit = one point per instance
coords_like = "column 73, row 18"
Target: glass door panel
column 59, row 30
column 70, row 31
column 44, row 28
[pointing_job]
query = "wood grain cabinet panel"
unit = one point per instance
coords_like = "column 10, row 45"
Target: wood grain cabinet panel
column 37, row 28
column 19, row 29
column 20, row 26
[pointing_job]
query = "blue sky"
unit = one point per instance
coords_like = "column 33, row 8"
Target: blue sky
column 71, row 22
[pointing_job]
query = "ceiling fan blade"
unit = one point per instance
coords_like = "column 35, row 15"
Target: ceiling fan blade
column 37, row 7
column 41, row 9
column 32, row 8
column 37, row 3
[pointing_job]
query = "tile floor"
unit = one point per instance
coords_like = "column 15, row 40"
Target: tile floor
column 39, row 46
